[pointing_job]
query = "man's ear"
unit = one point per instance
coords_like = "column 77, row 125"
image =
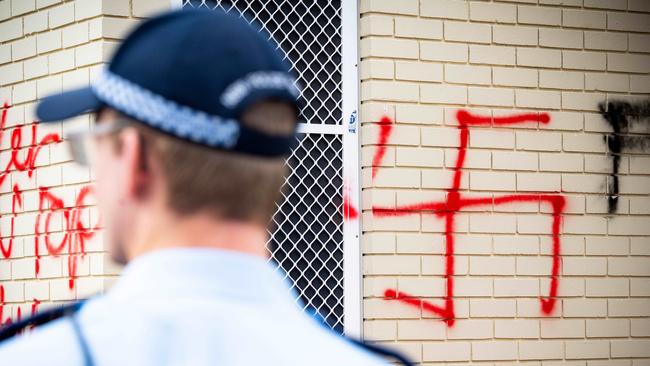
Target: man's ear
column 136, row 175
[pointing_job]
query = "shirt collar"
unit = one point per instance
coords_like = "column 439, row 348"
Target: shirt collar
column 203, row 273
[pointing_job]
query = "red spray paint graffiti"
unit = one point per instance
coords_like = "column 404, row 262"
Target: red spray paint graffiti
column 75, row 233
column 2, row 307
column 7, row 321
column 385, row 128
column 448, row 209
column 75, row 236
column 15, row 200
column 349, row 211
column 28, row 165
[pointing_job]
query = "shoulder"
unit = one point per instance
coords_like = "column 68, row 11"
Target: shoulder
column 57, row 342
column 347, row 352
column 322, row 346
column 53, row 344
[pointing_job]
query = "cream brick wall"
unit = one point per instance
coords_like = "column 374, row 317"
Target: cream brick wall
column 422, row 61
column 47, row 46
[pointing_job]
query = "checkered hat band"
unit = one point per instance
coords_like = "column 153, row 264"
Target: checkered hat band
column 164, row 114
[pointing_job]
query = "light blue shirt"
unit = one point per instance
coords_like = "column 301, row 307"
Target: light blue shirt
column 190, row 307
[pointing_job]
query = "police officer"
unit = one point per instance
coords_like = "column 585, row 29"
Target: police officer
column 194, row 117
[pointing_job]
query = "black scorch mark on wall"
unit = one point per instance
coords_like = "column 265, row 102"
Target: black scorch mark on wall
column 624, row 117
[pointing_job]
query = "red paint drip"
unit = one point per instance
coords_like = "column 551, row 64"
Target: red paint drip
column 455, row 202
column 385, row 129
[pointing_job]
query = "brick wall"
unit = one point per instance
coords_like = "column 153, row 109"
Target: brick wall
column 50, row 251
column 548, row 65
column 536, row 162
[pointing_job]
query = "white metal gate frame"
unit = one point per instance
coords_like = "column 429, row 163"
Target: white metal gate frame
column 352, row 275
column 349, row 130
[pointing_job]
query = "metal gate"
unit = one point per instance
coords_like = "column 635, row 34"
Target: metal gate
column 310, row 239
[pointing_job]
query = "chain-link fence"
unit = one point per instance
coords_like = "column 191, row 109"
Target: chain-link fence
column 307, row 233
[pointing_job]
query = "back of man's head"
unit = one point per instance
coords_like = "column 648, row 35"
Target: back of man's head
column 215, row 108
column 226, row 185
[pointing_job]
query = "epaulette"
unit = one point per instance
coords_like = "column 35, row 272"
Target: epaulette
column 46, row 316
column 40, row 318
column 371, row 348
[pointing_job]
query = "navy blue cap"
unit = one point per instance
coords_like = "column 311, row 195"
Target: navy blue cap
column 190, row 74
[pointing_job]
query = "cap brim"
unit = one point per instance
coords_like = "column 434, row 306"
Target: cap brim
column 67, row 105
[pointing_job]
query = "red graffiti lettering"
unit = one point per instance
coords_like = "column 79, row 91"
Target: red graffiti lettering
column 3, row 321
column 27, row 164
column 7, row 321
column 35, row 305
column 448, row 209
column 75, row 233
column 15, row 200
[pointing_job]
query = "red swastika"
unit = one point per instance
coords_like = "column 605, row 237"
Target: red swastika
column 455, row 201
